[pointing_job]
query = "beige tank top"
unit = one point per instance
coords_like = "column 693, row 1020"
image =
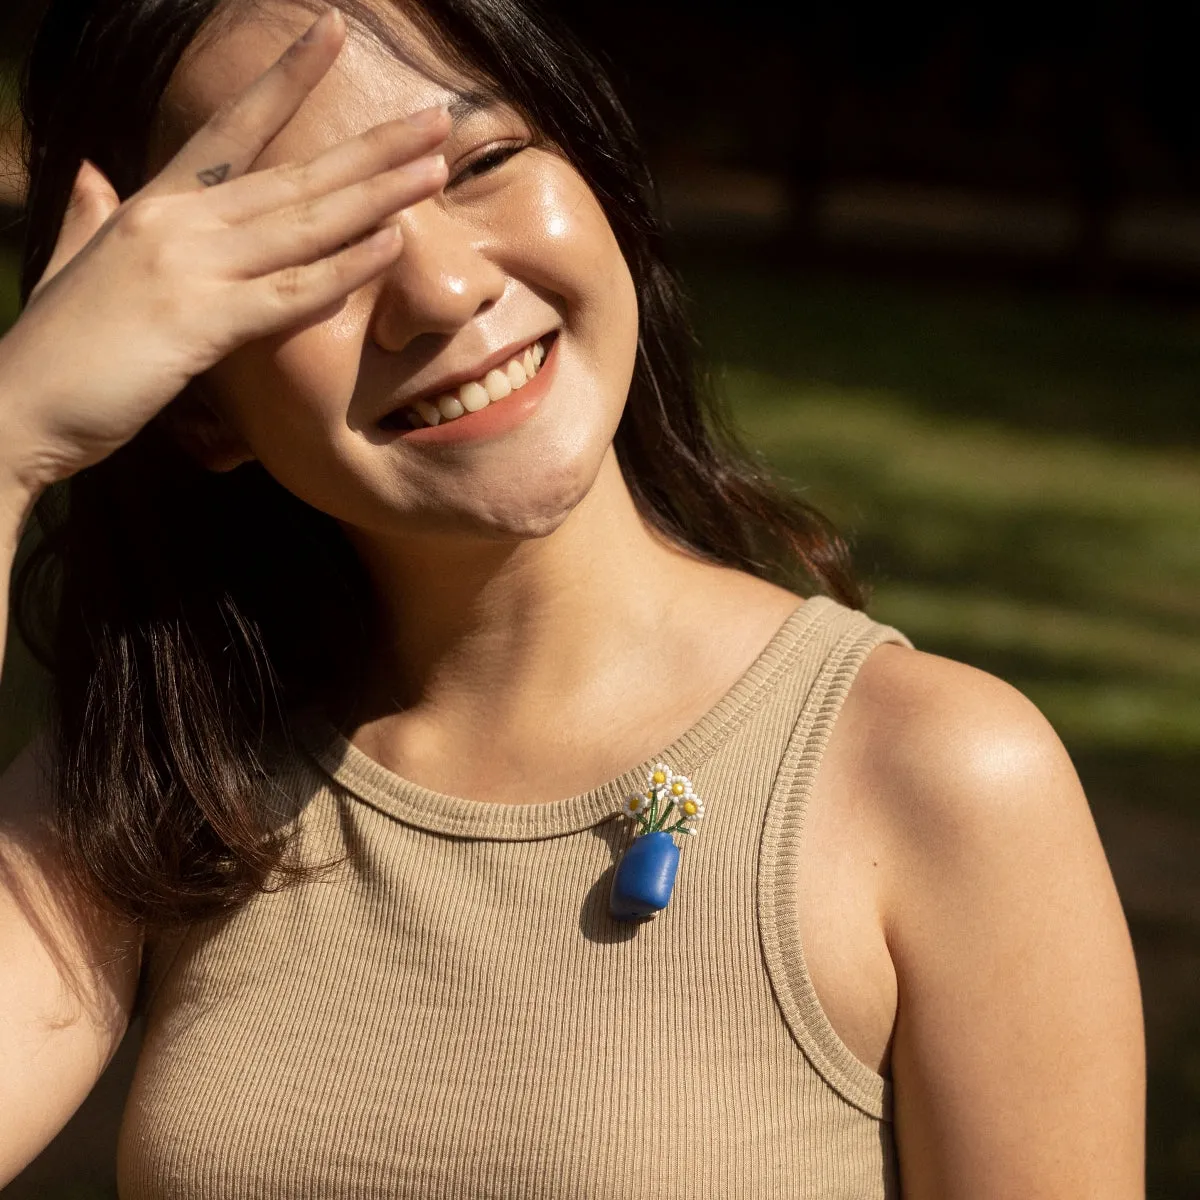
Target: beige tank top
column 452, row 1012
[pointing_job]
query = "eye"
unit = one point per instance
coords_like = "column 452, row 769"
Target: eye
column 489, row 160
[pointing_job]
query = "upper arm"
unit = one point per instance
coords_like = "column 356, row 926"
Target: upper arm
column 68, row 982
column 1018, row 1055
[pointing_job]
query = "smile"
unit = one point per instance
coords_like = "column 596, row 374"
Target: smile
column 476, row 394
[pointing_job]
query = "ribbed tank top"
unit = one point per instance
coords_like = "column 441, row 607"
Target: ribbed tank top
column 452, row 1013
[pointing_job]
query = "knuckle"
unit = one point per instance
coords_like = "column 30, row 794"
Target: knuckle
column 289, row 285
column 143, row 215
column 160, row 261
column 307, row 218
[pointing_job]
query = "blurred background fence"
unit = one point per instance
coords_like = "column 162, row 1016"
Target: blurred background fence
column 945, row 259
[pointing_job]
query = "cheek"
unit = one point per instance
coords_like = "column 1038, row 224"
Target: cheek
column 567, row 248
column 288, row 396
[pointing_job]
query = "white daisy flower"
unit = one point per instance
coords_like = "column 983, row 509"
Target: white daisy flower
column 661, row 777
column 635, row 805
column 688, row 805
column 679, row 787
column 681, row 793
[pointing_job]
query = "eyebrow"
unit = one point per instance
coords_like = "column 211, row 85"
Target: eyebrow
column 468, row 104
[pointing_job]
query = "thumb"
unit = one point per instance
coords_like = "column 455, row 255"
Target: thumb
column 93, row 200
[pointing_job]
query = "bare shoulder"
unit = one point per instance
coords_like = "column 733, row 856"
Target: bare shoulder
column 956, row 751
column 1017, row 1055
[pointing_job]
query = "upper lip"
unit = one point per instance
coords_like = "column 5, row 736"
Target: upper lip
column 449, row 382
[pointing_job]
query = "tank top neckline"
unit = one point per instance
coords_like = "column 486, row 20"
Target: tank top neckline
column 437, row 812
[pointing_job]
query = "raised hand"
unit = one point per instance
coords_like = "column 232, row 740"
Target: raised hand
column 140, row 297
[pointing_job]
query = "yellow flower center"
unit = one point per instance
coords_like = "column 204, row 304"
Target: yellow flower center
column 677, row 789
column 635, row 802
column 649, row 795
column 659, row 777
column 689, row 807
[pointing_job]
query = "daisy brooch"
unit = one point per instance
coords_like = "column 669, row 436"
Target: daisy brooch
column 646, row 873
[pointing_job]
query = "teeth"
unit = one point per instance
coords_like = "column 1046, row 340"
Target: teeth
column 428, row 411
column 497, row 385
column 473, row 396
column 448, row 407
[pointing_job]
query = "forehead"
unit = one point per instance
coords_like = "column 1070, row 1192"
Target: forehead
column 368, row 82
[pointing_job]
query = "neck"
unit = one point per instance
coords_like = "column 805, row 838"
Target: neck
column 496, row 634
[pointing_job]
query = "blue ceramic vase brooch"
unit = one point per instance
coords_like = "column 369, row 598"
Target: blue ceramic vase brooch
column 646, row 873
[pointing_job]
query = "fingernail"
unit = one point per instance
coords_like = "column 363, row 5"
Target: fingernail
column 431, row 166
column 427, row 116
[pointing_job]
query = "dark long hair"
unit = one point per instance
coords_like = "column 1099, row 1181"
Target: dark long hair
column 187, row 617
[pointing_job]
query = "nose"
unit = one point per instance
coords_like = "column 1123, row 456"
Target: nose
column 442, row 278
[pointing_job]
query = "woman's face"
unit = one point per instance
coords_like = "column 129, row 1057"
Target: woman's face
column 514, row 249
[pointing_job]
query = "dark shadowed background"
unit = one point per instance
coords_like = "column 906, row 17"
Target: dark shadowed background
column 946, row 263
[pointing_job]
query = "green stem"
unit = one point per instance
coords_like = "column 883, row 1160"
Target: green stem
column 666, row 814
column 646, row 819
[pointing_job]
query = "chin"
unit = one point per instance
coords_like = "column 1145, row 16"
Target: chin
column 526, row 505
column 529, row 513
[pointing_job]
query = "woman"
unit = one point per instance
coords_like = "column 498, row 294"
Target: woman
column 393, row 521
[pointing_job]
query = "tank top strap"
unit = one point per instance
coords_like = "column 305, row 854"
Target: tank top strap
column 837, row 647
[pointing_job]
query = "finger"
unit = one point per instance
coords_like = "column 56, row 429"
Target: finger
column 236, row 134
column 319, row 226
column 276, row 302
column 358, row 158
column 93, row 200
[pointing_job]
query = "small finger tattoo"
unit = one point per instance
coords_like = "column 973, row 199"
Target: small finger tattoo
column 211, row 176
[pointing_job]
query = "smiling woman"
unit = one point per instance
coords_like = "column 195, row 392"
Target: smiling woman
column 544, row 222
column 390, row 555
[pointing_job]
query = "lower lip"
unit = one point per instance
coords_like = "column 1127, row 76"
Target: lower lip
column 500, row 415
